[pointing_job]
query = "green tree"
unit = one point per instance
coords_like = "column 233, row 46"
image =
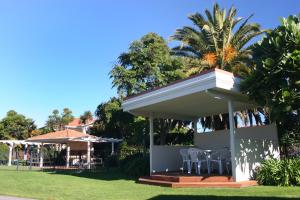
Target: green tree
column 86, row 117
column 16, row 126
column 66, row 116
column 147, row 64
column 113, row 122
column 57, row 121
column 216, row 41
column 275, row 81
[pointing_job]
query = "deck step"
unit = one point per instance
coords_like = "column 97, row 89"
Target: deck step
column 164, row 178
column 190, row 178
column 214, row 184
column 155, row 182
column 150, row 181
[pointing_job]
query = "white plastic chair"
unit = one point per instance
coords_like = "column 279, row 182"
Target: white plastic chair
column 193, row 153
column 215, row 157
column 197, row 156
column 185, row 159
column 226, row 158
column 202, row 155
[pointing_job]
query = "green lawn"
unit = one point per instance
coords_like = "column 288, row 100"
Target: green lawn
column 113, row 185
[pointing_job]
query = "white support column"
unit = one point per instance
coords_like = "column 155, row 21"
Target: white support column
column 151, row 142
column 195, row 127
column 232, row 139
column 112, row 148
column 41, row 156
column 68, row 156
column 38, row 149
column 10, row 146
column 25, row 151
column 84, row 129
column 89, row 154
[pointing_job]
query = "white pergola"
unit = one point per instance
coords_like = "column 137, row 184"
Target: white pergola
column 41, row 142
column 84, row 139
column 209, row 93
column 12, row 143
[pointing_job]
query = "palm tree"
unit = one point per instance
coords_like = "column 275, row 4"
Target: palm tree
column 216, row 41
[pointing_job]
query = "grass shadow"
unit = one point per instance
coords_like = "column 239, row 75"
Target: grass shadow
column 20, row 168
column 211, row 197
column 100, row 174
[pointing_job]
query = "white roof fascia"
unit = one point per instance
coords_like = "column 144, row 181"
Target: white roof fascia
column 211, row 80
column 183, row 88
column 227, row 81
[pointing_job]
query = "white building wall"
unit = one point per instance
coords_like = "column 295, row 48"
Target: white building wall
column 212, row 140
column 167, row 158
column 253, row 145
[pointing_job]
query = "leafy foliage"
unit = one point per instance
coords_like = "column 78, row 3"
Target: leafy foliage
column 113, row 122
column 57, row 121
column 86, row 117
column 179, row 136
column 132, row 160
column 275, row 80
column 16, row 126
column 128, row 150
column 147, row 64
column 135, row 165
column 216, row 40
column 3, row 152
column 111, row 161
column 284, row 172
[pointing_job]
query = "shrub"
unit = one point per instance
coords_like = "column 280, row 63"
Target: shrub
column 23, row 162
column 111, row 161
column 284, row 172
column 135, row 165
column 3, row 152
column 127, row 150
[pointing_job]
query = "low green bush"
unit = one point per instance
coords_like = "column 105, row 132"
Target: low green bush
column 111, row 161
column 127, row 150
column 135, row 165
column 285, row 172
column 3, row 152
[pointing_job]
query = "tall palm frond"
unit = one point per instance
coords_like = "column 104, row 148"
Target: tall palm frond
column 214, row 33
column 219, row 39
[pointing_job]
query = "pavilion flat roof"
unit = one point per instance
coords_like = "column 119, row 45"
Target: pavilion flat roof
column 197, row 96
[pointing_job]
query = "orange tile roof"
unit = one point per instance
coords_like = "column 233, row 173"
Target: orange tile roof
column 77, row 122
column 59, row 135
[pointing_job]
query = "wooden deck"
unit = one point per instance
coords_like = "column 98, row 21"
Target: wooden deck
column 179, row 180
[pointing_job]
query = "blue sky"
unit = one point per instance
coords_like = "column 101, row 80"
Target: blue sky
column 58, row 53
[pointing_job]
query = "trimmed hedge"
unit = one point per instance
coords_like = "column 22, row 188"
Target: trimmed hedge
column 285, row 172
column 135, row 165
